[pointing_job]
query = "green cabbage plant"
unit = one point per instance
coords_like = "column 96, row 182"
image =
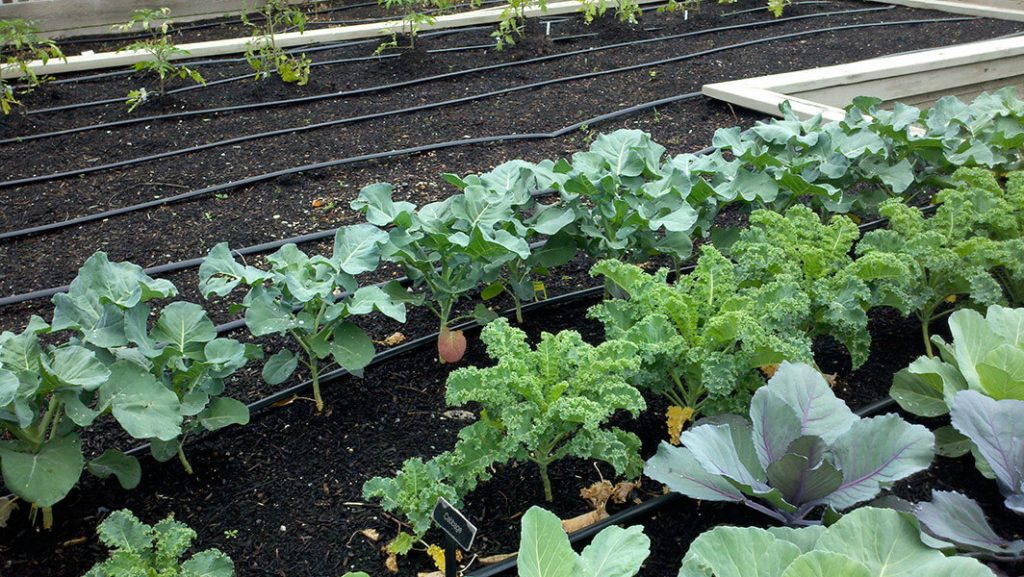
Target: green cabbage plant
column 545, row 551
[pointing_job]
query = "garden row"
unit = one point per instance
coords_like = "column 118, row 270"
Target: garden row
column 788, row 279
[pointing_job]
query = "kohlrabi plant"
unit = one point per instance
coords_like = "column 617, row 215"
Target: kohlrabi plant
column 553, row 401
column 802, row 450
column 965, row 256
column 952, row 520
column 545, row 551
column 20, row 44
column 166, row 382
column 448, row 248
column 704, row 340
column 138, row 549
column 986, row 355
column 264, row 55
column 45, row 391
column 312, row 300
column 867, row 542
column 160, row 50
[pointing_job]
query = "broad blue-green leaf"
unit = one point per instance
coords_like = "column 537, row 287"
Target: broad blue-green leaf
column 370, row 298
column 616, row 552
column 351, row 347
column 266, row 315
column 918, row 391
column 677, row 469
column 804, row 389
column 113, row 462
column 219, row 273
column 279, row 367
column 228, row 355
column 375, row 201
column 76, row 366
column 8, row 387
column 181, row 324
column 873, row 453
column 544, row 549
column 997, row 431
column 825, row 564
column 883, row 540
column 46, row 477
column 801, row 475
column 726, row 450
column 357, row 247
column 141, row 404
column 958, row 519
column 1002, row 373
column 223, row 411
column 738, row 552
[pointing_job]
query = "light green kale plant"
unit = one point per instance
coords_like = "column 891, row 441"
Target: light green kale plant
column 141, row 550
column 966, row 255
column 553, row 402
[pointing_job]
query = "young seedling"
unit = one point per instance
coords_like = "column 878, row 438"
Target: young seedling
column 264, row 55
column 20, row 44
column 161, row 52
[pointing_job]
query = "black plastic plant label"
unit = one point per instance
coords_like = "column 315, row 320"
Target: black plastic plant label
column 454, row 523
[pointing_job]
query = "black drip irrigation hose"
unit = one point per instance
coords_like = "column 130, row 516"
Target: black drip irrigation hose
column 454, row 74
column 436, row 105
column 645, row 509
column 322, row 165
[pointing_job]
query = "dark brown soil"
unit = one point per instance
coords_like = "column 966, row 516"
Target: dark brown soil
column 290, row 482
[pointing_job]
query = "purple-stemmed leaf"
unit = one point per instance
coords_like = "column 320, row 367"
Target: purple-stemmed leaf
column 956, row 518
column 997, row 430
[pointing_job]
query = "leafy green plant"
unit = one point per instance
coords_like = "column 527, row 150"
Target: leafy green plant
column 513, row 20
column 996, row 432
column 802, row 449
column 43, row 391
column 312, row 300
column 20, row 44
column 138, row 549
column 545, row 551
column 703, row 340
column 449, row 248
column 161, row 52
column 166, row 382
column 986, row 356
column 867, row 542
column 552, row 402
column 264, row 55
column 966, row 255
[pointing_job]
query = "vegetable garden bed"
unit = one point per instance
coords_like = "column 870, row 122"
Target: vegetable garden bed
column 283, row 495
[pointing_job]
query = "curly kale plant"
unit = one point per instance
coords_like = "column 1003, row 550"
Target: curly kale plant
column 165, row 382
column 312, row 300
column 703, row 339
column 966, row 255
column 867, row 542
column 801, row 450
column 552, row 402
column 138, row 550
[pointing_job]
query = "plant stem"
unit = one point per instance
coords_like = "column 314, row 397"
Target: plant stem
column 47, row 517
column 519, row 307
column 181, row 457
column 543, row 469
column 314, row 375
column 927, row 338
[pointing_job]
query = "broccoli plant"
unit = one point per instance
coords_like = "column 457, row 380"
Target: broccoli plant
column 865, row 542
column 139, row 549
column 545, row 551
column 44, row 393
column 966, row 255
column 166, row 382
column 552, row 402
column 802, row 449
column 20, row 44
column 312, row 300
column 161, row 52
column 449, row 248
column 264, row 55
